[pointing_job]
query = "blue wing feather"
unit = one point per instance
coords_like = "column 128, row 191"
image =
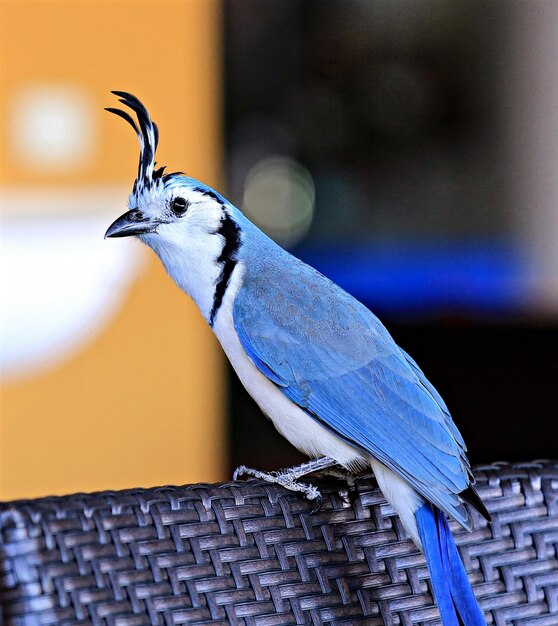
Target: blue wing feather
column 331, row 356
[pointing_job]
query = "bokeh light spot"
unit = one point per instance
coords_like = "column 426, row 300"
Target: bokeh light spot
column 52, row 127
column 279, row 196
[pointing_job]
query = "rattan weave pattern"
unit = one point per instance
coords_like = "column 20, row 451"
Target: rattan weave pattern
column 250, row 553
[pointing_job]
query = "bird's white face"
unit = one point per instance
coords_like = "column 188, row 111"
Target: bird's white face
column 189, row 227
column 178, row 215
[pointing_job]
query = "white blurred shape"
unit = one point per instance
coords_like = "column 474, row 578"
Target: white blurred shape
column 60, row 281
column 279, row 196
column 52, row 127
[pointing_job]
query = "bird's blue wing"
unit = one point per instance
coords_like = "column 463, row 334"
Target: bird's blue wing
column 333, row 358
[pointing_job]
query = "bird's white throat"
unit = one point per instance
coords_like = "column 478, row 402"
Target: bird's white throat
column 191, row 261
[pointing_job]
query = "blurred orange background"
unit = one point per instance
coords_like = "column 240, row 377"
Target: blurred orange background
column 133, row 395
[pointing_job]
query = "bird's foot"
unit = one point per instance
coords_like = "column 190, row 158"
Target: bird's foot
column 349, row 489
column 287, row 478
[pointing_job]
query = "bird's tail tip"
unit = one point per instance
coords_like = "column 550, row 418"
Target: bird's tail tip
column 451, row 587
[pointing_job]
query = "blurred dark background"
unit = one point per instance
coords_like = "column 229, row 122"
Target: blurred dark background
column 396, row 146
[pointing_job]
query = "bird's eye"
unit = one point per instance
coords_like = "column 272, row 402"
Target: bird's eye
column 179, row 206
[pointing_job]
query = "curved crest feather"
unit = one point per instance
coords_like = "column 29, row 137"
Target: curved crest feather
column 148, row 135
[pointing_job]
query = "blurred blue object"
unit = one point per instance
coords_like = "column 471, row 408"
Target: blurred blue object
column 427, row 278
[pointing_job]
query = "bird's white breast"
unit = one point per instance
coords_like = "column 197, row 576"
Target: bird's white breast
column 303, row 432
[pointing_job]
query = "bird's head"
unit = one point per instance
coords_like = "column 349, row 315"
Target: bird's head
column 172, row 206
column 191, row 227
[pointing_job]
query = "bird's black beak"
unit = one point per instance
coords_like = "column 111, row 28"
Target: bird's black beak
column 133, row 222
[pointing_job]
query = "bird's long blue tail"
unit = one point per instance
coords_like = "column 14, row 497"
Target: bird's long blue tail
column 452, row 589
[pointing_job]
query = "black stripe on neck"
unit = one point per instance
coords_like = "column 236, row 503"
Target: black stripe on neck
column 229, row 230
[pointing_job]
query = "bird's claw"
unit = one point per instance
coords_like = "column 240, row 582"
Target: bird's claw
column 318, row 503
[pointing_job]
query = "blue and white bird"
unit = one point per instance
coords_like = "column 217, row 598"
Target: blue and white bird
column 318, row 363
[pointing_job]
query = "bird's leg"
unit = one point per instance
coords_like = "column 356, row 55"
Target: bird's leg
column 289, row 477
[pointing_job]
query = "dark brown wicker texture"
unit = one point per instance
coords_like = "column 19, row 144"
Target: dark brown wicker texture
column 250, row 553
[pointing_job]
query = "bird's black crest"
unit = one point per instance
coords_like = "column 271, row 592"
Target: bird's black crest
column 148, row 135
